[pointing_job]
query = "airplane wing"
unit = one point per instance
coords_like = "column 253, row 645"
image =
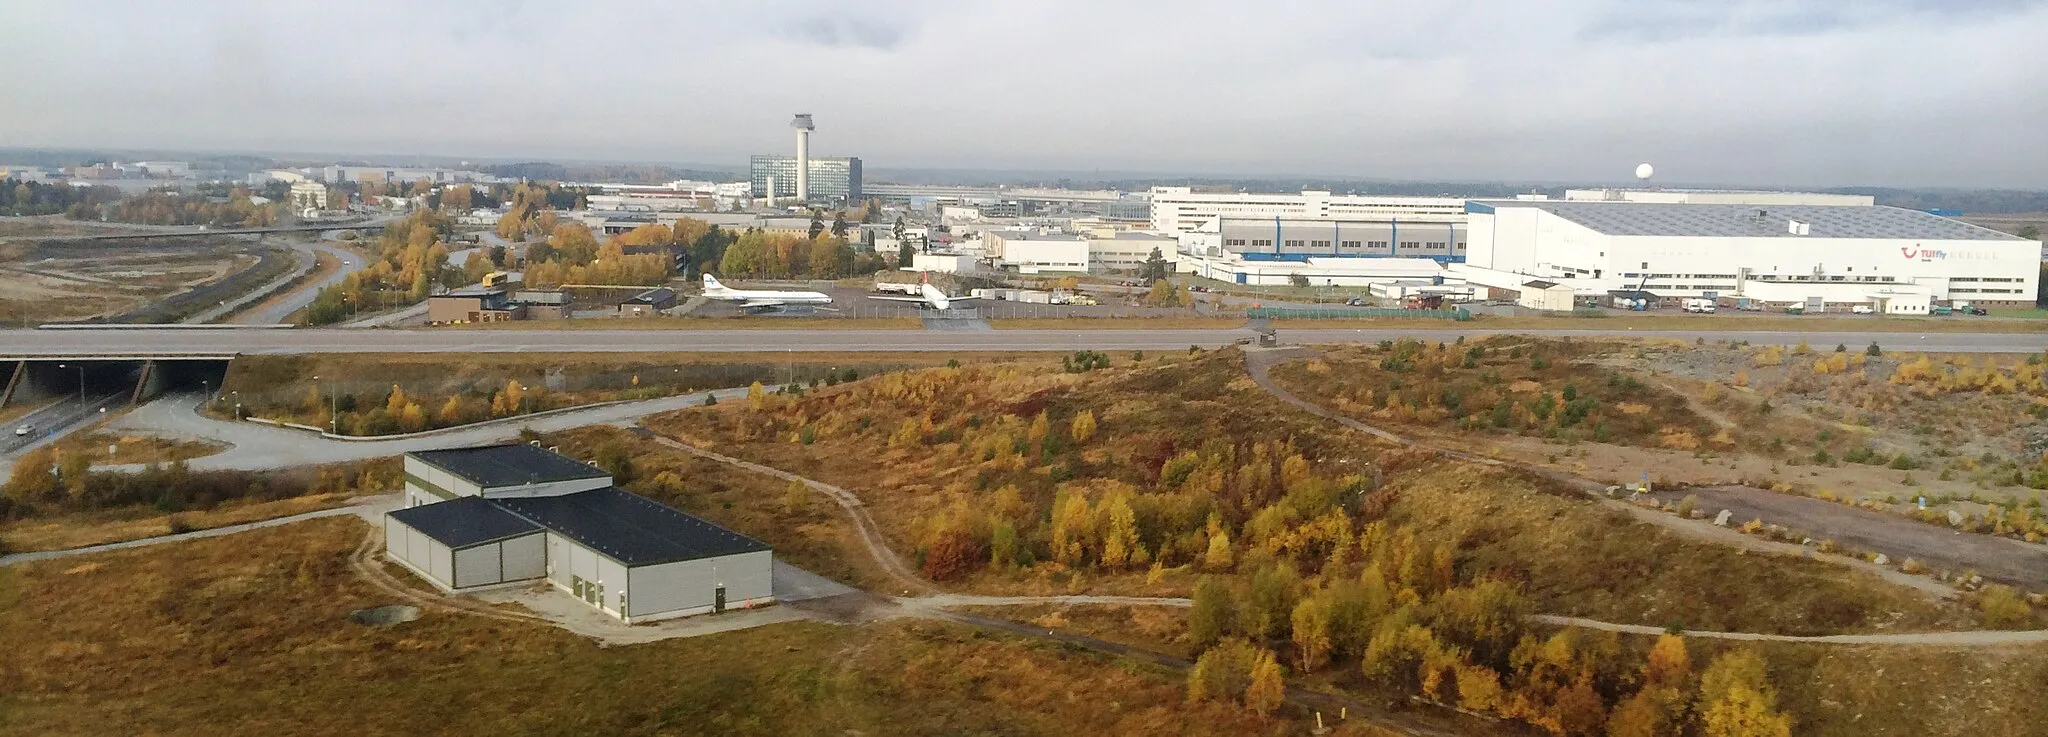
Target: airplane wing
column 961, row 299
column 762, row 303
column 887, row 298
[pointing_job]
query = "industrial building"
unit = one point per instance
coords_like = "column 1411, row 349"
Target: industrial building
column 1180, row 209
column 1037, row 250
column 478, row 518
column 648, row 303
column 833, row 181
column 1817, row 256
column 1717, row 197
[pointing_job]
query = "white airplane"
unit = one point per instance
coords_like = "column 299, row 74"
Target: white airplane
column 754, row 299
column 927, row 295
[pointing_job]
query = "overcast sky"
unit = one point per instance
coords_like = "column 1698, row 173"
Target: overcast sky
column 1792, row 92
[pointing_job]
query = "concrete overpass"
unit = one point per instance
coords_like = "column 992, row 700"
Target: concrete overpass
column 209, row 343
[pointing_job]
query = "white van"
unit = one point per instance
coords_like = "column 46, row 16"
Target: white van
column 1699, row 305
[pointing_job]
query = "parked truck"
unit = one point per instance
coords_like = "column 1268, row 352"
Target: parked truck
column 1699, row 305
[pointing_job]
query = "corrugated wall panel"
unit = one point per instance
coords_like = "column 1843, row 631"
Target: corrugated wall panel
column 478, row 566
column 395, row 538
column 440, row 562
column 747, row 576
column 525, row 557
column 560, row 560
column 613, row 577
column 670, row 586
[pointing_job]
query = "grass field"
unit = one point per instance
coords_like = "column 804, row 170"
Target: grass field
column 247, row 635
column 99, row 527
column 135, row 448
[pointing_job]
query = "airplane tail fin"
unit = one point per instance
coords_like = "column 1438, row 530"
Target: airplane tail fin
column 711, row 282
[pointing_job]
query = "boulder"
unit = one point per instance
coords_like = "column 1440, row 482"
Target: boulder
column 1722, row 518
column 1881, row 559
column 1955, row 518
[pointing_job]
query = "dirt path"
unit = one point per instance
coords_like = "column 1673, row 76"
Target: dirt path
column 1971, row 638
column 1996, row 558
column 870, row 533
column 1259, row 364
column 370, row 508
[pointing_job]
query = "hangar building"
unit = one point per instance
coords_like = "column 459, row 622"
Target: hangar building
column 1815, row 255
column 509, row 514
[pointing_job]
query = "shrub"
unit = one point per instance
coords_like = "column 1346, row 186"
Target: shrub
column 1873, row 350
column 1913, row 566
column 1687, row 505
column 1841, row 348
column 1903, row 462
column 2005, row 609
column 178, row 525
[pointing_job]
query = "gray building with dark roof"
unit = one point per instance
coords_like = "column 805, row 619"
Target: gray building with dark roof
column 501, row 515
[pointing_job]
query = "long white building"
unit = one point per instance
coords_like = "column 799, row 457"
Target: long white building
column 1791, row 254
column 1180, row 209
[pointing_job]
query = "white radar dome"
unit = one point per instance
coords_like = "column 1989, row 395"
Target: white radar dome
column 1643, row 171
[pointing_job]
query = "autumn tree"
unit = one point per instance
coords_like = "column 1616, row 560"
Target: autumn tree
column 1737, row 700
column 1224, row 672
column 1268, row 687
column 412, row 417
column 1211, row 614
column 451, row 411
column 1084, row 426
column 34, row 476
column 1120, row 533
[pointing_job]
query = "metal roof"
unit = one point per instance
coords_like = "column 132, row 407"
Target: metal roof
column 651, row 296
column 629, row 528
column 1757, row 221
column 465, row 523
column 513, row 464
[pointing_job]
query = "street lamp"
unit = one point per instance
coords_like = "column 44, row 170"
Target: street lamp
column 333, row 409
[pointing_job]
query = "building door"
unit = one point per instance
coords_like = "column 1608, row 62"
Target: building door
column 718, row 600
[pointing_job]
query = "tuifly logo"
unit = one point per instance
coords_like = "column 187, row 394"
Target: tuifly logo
column 1924, row 254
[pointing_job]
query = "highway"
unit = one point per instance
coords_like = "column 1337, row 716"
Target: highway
column 53, row 422
column 211, row 342
column 299, row 298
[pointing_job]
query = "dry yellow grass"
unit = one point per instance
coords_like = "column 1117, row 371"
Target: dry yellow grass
column 136, row 448
column 80, row 529
column 247, row 634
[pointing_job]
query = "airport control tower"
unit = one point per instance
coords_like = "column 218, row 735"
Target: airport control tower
column 803, row 127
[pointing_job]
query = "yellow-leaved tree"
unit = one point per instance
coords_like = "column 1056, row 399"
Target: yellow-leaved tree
column 1737, row 699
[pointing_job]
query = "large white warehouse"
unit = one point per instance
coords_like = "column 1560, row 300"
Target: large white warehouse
column 1180, row 209
column 1810, row 254
column 506, row 514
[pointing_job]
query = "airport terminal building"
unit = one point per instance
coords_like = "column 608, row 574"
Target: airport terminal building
column 478, row 518
column 1895, row 259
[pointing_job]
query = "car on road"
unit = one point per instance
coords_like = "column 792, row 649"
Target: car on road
column 1979, row 311
column 1863, row 310
column 24, row 431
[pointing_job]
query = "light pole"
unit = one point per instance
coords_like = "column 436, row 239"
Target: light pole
column 333, row 409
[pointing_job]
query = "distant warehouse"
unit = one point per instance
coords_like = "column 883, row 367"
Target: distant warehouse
column 478, row 518
column 1816, row 255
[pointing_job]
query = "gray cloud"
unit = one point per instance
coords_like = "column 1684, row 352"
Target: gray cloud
column 1795, row 92
column 845, row 32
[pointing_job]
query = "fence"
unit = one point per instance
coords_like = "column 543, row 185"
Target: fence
column 1458, row 314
